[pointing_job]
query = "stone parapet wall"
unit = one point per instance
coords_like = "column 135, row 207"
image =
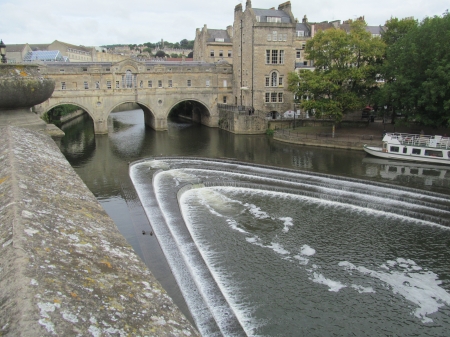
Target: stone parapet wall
column 65, row 270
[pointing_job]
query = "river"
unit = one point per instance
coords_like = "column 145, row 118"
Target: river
column 300, row 266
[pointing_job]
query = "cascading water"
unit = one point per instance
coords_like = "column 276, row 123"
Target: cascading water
column 262, row 251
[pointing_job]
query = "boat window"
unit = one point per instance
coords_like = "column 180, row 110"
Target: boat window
column 434, row 153
column 405, row 149
column 395, row 148
column 416, row 151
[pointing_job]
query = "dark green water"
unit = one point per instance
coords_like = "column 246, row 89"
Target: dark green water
column 102, row 162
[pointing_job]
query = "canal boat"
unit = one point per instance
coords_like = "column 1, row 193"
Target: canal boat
column 413, row 147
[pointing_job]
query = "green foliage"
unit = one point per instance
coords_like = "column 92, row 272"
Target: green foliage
column 417, row 70
column 160, row 53
column 270, row 132
column 59, row 111
column 345, row 74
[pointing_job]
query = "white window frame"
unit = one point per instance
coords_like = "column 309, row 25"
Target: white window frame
column 170, row 84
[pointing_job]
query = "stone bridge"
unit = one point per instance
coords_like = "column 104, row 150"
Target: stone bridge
column 156, row 86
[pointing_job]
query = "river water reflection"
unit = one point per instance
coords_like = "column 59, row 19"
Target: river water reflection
column 102, row 162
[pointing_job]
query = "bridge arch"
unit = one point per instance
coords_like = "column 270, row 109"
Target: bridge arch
column 81, row 106
column 201, row 113
column 149, row 115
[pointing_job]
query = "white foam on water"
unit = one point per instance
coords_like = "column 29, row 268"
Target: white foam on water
column 415, row 285
column 362, row 289
column 307, row 250
column 288, row 222
column 303, row 260
column 332, row 285
column 256, row 211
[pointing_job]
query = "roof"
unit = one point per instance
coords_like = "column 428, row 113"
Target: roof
column 41, row 46
column 302, row 26
column 264, row 13
column 375, row 29
column 15, row 48
column 214, row 34
column 44, row 55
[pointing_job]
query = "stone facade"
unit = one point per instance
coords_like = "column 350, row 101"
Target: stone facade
column 213, row 45
column 98, row 88
column 263, row 57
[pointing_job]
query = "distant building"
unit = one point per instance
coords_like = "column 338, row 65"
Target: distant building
column 212, row 45
column 44, row 56
column 16, row 52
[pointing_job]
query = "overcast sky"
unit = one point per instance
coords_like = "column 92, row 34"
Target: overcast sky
column 100, row 22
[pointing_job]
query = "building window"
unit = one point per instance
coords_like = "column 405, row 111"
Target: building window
column 63, row 85
column 298, row 53
column 150, row 84
column 224, row 83
column 224, row 99
column 414, row 151
column 284, row 37
column 273, row 97
column 159, row 83
column 229, row 53
column 280, row 97
column 267, row 81
column 208, row 83
column 280, row 81
column 267, row 56
column 396, row 149
column 273, row 19
column 258, row 18
column 274, row 56
column 97, row 85
column 281, row 57
column 117, row 85
column 84, row 69
column 211, row 53
column 269, row 37
column 280, row 37
column 303, row 45
column 141, row 84
column 267, row 97
column 129, row 79
column 220, row 53
column 170, row 84
column 86, row 85
column 108, row 69
column 274, row 35
column 189, row 83
column 108, row 84
column 61, row 70
column 273, row 82
column 300, row 33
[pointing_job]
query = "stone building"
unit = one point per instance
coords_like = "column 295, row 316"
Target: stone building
column 264, row 54
column 212, row 45
column 15, row 53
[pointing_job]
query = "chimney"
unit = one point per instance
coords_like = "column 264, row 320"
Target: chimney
column 238, row 8
column 248, row 4
column 230, row 31
column 285, row 6
column 305, row 19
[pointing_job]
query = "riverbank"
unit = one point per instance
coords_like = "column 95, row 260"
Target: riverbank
column 351, row 138
column 65, row 268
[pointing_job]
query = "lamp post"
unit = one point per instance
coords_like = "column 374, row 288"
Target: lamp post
column 3, row 51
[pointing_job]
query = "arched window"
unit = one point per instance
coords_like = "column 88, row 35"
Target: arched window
column 273, row 82
column 129, row 79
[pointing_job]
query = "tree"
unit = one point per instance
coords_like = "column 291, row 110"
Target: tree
column 184, row 43
column 346, row 70
column 160, row 54
column 417, row 72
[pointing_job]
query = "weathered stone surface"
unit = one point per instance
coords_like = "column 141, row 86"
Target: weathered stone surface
column 22, row 86
column 65, row 270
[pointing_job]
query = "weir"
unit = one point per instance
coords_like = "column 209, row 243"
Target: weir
column 236, row 198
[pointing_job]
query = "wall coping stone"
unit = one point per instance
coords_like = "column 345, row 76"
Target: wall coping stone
column 65, row 269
